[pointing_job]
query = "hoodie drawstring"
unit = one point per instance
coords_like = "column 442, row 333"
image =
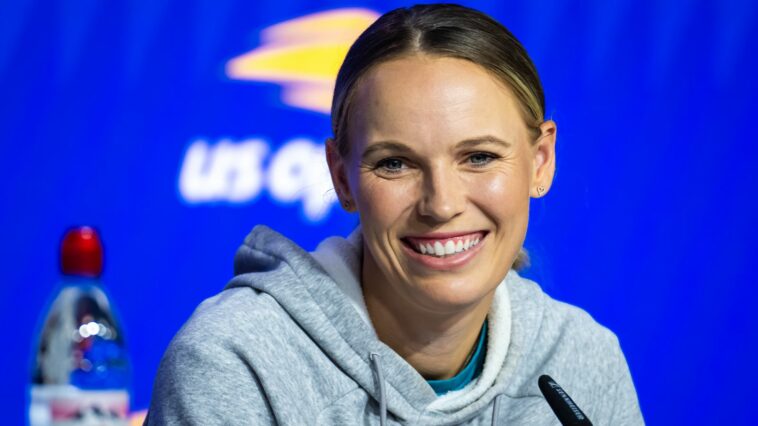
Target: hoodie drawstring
column 375, row 362
column 496, row 410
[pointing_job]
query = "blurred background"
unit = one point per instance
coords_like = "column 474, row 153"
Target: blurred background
column 174, row 127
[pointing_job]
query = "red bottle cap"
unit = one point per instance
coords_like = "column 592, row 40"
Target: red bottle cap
column 82, row 253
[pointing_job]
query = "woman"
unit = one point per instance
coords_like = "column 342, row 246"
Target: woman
column 419, row 317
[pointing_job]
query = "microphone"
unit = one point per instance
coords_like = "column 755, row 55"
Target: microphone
column 563, row 406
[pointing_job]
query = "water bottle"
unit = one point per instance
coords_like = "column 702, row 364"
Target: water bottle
column 81, row 374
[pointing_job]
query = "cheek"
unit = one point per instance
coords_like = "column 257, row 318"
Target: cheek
column 504, row 199
column 501, row 191
column 381, row 201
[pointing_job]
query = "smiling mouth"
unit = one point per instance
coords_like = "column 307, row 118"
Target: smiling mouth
column 444, row 247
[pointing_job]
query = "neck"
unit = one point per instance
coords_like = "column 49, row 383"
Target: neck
column 436, row 344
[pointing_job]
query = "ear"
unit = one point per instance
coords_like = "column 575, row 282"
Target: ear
column 543, row 157
column 338, row 171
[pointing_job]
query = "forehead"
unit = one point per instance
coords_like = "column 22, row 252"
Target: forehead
column 431, row 100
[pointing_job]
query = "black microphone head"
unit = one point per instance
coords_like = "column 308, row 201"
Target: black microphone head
column 562, row 405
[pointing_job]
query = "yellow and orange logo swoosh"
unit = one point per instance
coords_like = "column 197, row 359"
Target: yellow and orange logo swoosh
column 303, row 55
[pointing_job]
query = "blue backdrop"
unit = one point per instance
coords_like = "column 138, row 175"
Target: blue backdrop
column 174, row 127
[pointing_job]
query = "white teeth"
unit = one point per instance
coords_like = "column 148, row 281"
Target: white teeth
column 449, row 247
column 439, row 250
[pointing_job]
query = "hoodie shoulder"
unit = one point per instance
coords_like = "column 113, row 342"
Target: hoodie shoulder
column 227, row 325
column 240, row 359
column 568, row 344
column 224, row 315
column 551, row 325
column 204, row 369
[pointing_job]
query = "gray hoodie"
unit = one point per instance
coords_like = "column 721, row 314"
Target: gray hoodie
column 289, row 342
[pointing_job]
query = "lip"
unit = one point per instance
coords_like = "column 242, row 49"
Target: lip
column 444, row 235
column 447, row 263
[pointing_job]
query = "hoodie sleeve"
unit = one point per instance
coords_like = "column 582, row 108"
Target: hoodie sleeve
column 202, row 383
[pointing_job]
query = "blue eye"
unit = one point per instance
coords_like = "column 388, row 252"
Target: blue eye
column 390, row 164
column 480, row 158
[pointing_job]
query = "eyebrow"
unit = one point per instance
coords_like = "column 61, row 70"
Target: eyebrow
column 388, row 146
column 481, row 140
column 466, row 143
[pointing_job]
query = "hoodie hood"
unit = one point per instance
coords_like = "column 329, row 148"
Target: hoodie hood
column 321, row 293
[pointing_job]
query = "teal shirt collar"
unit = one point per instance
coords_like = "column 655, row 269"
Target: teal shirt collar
column 470, row 372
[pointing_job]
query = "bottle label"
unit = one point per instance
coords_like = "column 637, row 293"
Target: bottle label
column 62, row 405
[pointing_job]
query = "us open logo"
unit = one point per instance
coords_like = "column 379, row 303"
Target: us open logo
column 302, row 55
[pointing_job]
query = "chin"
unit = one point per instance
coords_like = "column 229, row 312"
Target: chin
column 452, row 294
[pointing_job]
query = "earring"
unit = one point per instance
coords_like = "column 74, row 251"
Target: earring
column 346, row 205
column 540, row 190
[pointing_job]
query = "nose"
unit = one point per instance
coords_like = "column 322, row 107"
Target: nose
column 444, row 195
